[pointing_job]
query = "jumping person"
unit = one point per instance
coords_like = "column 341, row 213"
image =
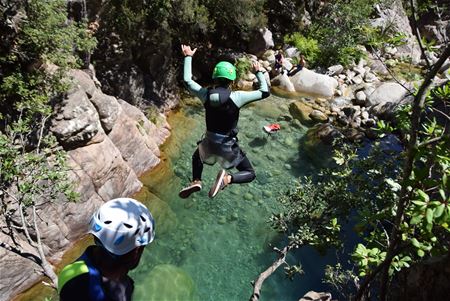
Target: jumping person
column 122, row 228
column 222, row 114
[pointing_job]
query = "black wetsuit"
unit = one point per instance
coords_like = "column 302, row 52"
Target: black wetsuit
column 223, row 119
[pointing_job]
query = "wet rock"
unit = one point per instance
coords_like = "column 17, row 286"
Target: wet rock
column 167, row 282
column 300, row 111
column 365, row 115
column 248, row 196
column 267, row 193
column 269, row 56
column 349, row 111
column 317, row 115
column 245, row 84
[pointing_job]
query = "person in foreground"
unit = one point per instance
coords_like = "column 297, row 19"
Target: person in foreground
column 121, row 228
column 222, row 115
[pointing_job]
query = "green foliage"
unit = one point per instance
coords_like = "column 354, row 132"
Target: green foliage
column 340, row 30
column 47, row 37
column 370, row 187
column 308, row 47
column 32, row 167
column 243, row 66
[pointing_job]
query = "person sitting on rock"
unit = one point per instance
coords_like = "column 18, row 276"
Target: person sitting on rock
column 221, row 115
column 121, row 228
column 300, row 64
column 279, row 58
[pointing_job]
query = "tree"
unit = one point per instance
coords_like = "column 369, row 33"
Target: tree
column 400, row 200
column 32, row 165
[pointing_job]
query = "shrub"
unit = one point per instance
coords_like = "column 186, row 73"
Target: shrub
column 308, row 47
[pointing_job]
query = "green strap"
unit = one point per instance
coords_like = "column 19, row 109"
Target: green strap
column 71, row 271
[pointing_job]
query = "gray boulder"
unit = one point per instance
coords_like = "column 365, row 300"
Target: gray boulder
column 283, row 82
column 77, row 121
column 261, row 41
column 108, row 109
column 387, row 92
column 310, row 82
column 335, row 70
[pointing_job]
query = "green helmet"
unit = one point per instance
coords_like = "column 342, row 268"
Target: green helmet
column 224, row 70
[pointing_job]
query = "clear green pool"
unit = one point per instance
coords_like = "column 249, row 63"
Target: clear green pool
column 212, row 249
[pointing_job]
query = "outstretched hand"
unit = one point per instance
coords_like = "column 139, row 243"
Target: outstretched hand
column 256, row 66
column 187, row 51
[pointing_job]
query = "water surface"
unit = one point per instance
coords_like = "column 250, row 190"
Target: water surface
column 211, row 249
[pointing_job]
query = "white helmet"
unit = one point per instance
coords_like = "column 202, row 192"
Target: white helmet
column 123, row 224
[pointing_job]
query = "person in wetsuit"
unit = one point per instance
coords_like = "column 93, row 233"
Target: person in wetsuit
column 221, row 115
column 122, row 228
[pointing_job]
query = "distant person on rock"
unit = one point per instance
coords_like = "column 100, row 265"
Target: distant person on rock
column 279, row 58
column 121, row 228
column 300, row 64
column 222, row 115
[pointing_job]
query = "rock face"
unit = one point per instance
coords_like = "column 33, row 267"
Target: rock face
column 395, row 17
column 424, row 281
column 261, row 41
column 109, row 143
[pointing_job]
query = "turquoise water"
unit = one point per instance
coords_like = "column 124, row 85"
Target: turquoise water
column 211, row 249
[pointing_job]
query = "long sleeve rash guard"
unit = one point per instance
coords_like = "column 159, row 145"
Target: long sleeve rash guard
column 240, row 98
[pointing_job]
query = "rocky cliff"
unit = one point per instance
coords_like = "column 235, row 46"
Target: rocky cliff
column 110, row 143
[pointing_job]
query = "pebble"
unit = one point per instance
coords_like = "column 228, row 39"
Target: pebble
column 267, row 193
column 287, row 166
column 248, row 196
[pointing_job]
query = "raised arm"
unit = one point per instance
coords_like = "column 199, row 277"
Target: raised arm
column 241, row 98
column 192, row 86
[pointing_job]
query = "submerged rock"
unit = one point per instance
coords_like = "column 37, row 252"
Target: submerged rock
column 166, row 282
column 300, row 111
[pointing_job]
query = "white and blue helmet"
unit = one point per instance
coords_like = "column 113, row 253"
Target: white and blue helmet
column 122, row 225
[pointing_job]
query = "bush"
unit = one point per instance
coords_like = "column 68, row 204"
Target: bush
column 243, row 66
column 308, row 47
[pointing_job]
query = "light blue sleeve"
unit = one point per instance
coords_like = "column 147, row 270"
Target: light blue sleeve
column 192, row 86
column 241, row 98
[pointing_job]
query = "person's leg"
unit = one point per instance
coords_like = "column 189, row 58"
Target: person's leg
column 246, row 172
column 196, row 184
column 197, row 166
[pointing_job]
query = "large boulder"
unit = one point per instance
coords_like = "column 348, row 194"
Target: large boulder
column 77, row 121
column 301, row 111
column 261, row 41
column 387, row 92
column 310, row 82
column 283, row 82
